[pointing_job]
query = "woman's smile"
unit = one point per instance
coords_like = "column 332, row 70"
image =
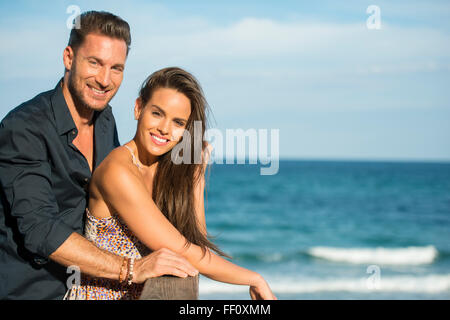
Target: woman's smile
column 158, row 140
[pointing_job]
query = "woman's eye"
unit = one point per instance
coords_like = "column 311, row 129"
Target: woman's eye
column 156, row 113
column 179, row 123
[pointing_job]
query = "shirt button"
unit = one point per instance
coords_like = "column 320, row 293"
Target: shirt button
column 40, row 261
column 73, row 132
column 86, row 184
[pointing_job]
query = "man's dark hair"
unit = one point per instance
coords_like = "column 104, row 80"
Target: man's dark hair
column 99, row 22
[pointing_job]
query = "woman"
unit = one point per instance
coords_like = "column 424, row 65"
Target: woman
column 141, row 200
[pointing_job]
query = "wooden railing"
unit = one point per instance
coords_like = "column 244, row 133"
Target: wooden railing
column 170, row 288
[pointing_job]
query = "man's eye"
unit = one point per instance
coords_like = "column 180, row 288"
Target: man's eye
column 92, row 62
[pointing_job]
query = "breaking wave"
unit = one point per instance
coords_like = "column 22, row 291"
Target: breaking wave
column 382, row 256
column 429, row 284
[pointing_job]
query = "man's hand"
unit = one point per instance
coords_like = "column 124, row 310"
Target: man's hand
column 162, row 262
column 77, row 250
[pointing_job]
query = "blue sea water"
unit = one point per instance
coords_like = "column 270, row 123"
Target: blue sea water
column 334, row 230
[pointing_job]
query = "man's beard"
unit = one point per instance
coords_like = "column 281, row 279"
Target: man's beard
column 78, row 99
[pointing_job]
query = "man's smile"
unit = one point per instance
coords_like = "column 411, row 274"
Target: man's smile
column 98, row 92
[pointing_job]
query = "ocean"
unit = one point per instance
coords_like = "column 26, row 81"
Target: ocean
column 334, row 229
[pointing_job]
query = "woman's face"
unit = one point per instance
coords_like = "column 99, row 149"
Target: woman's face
column 162, row 121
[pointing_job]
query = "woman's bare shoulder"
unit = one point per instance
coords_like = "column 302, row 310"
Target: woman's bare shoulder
column 115, row 175
column 118, row 162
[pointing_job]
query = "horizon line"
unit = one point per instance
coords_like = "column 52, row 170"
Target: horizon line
column 344, row 159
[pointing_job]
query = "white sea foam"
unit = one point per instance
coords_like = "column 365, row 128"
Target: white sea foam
column 411, row 284
column 382, row 256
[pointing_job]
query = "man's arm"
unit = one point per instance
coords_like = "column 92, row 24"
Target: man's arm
column 26, row 180
column 77, row 250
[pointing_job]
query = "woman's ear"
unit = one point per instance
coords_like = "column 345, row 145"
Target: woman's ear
column 137, row 108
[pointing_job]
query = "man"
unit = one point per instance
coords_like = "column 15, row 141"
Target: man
column 48, row 149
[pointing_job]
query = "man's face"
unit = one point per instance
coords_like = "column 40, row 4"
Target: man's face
column 96, row 70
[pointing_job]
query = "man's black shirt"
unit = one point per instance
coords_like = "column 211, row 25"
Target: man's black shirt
column 43, row 188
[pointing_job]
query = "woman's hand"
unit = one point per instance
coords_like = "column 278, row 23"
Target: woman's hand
column 260, row 290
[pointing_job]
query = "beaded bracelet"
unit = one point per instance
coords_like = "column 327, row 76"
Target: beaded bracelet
column 130, row 271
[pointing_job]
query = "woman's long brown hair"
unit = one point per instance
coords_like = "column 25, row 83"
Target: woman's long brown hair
column 174, row 184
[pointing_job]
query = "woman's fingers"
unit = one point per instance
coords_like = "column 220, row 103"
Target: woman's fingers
column 262, row 293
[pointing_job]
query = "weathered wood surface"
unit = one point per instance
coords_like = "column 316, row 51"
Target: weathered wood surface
column 170, row 288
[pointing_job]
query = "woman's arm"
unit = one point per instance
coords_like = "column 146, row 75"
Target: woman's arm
column 199, row 194
column 259, row 291
column 126, row 193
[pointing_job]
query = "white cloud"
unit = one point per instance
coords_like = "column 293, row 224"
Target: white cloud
column 161, row 38
column 263, row 38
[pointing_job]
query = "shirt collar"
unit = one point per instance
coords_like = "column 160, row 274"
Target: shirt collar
column 63, row 118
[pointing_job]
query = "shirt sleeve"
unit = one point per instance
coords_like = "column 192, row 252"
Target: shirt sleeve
column 25, row 177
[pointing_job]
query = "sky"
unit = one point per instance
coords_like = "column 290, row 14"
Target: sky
column 314, row 70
